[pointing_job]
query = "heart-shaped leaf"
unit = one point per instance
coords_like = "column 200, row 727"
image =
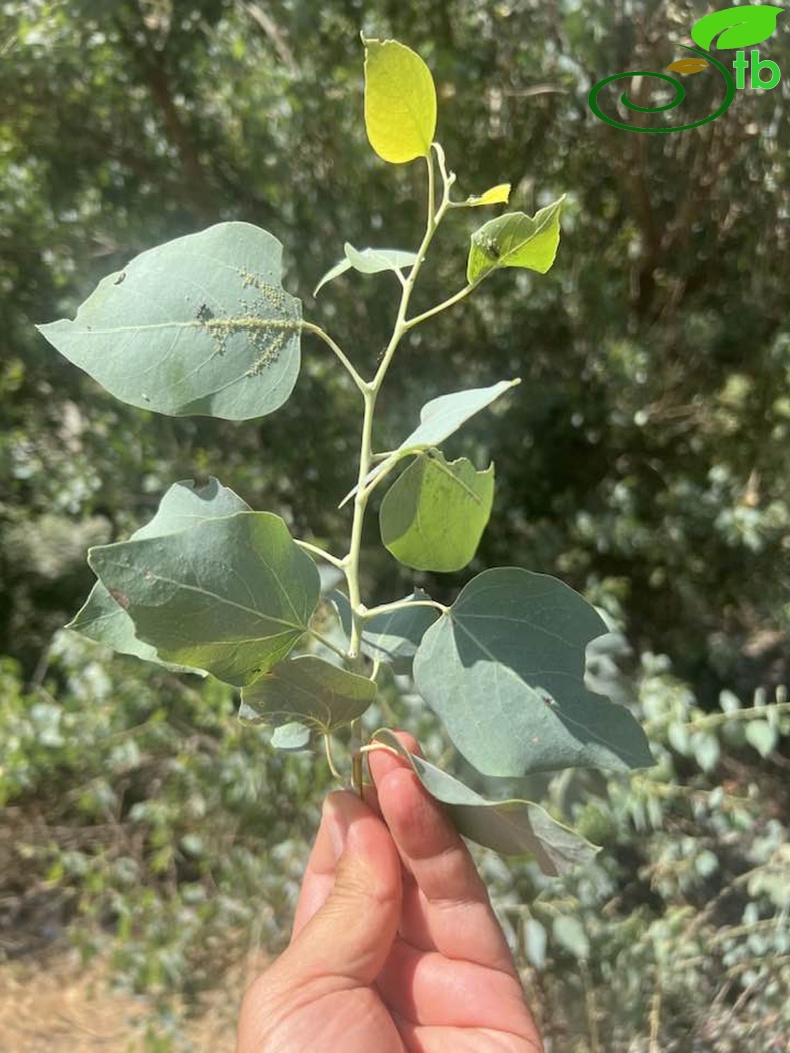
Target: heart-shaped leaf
column 504, row 670
column 185, row 504
column 231, row 595
column 439, row 418
column 516, row 240
column 199, row 325
column 736, row 27
column 400, row 101
column 510, row 827
column 309, row 691
column 434, row 514
column 368, row 261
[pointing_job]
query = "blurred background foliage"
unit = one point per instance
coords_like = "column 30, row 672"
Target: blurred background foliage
column 643, row 460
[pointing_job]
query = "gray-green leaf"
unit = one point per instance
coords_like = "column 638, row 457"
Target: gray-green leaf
column 762, row 736
column 185, row 504
column 504, row 669
column 510, row 827
column 393, row 636
column 439, row 418
column 310, row 691
column 231, row 595
column 569, row 933
column 199, row 325
column 368, row 261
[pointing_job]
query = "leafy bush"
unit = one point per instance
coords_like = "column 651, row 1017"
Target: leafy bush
column 143, row 808
column 149, row 813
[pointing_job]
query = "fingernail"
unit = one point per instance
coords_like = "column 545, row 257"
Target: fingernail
column 338, row 826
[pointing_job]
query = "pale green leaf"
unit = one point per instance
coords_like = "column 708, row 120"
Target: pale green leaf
column 706, row 863
column 706, row 750
column 400, row 101
column 569, row 933
column 729, row 701
column 293, row 736
column 393, row 636
column 185, row 504
column 333, row 272
column 310, row 691
column 495, row 195
column 516, row 240
column 504, row 670
column 439, row 418
column 535, row 941
column 199, row 325
column 736, row 27
column 511, row 827
column 231, row 595
column 761, row 736
column 373, row 261
column 679, row 738
column 369, row 261
column 434, row 514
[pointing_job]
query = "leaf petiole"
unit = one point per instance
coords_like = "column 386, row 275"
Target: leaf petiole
column 328, row 750
column 310, row 327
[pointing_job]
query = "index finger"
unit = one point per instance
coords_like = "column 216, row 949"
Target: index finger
column 446, row 906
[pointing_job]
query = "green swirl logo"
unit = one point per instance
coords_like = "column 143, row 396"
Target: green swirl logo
column 735, row 27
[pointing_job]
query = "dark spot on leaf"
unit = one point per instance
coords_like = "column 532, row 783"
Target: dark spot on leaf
column 120, row 598
column 204, row 312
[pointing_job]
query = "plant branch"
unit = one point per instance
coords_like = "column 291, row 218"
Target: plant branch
column 370, row 393
column 460, row 295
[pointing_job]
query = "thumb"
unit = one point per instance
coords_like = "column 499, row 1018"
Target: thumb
column 351, row 934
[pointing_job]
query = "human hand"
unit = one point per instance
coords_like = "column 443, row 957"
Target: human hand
column 395, row 946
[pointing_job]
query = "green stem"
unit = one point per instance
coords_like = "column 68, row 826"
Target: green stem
column 370, row 394
column 309, row 327
column 449, row 302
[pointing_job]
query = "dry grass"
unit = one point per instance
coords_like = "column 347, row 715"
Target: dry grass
column 54, row 1005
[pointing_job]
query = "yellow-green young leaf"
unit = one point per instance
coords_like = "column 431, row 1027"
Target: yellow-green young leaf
column 433, row 516
column 516, row 240
column 495, row 195
column 400, row 101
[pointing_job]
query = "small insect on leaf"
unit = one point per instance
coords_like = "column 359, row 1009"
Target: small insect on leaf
column 688, row 65
column 490, row 247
